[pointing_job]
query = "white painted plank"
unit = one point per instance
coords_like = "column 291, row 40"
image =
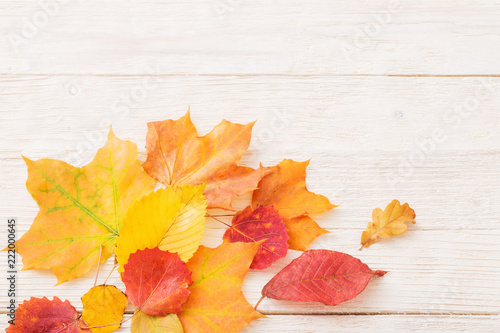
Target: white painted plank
column 354, row 129
column 251, row 37
column 333, row 113
column 453, row 192
column 364, row 135
column 362, row 324
column 429, row 272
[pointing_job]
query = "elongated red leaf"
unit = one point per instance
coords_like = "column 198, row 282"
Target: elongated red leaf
column 322, row 276
column 254, row 225
column 44, row 315
column 156, row 281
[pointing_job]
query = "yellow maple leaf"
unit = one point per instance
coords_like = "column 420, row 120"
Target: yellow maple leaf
column 387, row 223
column 142, row 323
column 172, row 219
column 104, row 305
column 216, row 303
column 81, row 209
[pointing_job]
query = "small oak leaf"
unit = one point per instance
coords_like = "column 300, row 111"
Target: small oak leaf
column 387, row 223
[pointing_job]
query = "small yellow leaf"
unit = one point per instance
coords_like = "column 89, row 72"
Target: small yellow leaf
column 142, row 323
column 104, row 305
column 172, row 219
column 387, row 223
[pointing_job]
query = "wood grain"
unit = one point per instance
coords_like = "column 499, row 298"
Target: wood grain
column 252, row 37
column 360, row 324
column 390, row 99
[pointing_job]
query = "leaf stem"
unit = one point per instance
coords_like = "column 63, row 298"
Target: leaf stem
column 260, row 300
column 114, row 266
column 107, row 325
column 215, row 218
column 98, row 265
column 220, row 215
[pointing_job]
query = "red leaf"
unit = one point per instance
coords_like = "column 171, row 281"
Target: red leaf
column 44, row 315
column 322, row 276
column 157, row 281
column 254, row 225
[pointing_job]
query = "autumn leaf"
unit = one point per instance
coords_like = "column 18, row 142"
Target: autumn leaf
column 177, row 156
column 302, row 231
column 142, row 323
column 104, row 305
column 172, row 219
column 157, row 281
column 322, row 276
column 43, row 315
column 387, row 223
column 81, row 209
column 263, row 223
column 216, row 303
column 286, row 191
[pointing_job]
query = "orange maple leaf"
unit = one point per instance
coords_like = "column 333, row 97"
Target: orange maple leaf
column 216, row 303
column 286, row 190
column 177, row 156
column 81, row 209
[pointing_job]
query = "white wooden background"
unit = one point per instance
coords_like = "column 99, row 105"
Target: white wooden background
column 360, row 87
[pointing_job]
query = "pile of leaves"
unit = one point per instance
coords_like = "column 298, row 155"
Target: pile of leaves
column 108, row 207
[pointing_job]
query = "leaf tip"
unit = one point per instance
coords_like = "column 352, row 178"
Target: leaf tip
column 111, row 134
column 26, row 160
column 380, row 273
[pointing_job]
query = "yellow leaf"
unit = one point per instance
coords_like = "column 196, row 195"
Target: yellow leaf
column 387, row 223
column 142, row 323
column 81, row 209
column 216, row 303
column 104, row 305
column 172, row 219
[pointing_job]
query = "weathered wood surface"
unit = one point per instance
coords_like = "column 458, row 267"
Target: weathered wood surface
column 374, row 128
